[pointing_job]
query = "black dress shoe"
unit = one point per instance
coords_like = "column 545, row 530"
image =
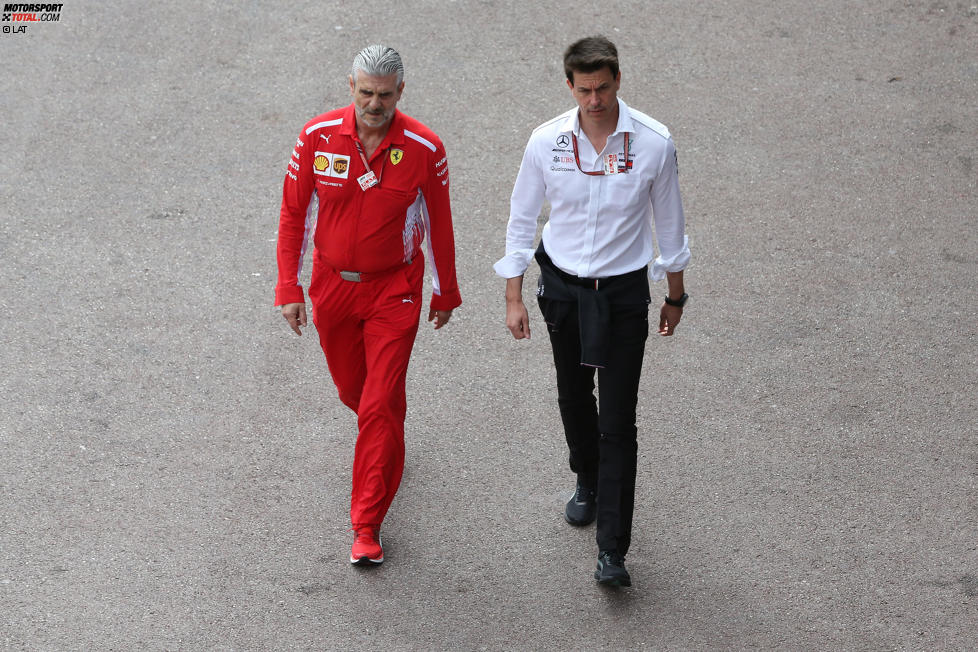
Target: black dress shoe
column 611, row 570
column 582, row 506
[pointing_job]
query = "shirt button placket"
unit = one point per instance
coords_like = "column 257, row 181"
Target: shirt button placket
column 595, row 186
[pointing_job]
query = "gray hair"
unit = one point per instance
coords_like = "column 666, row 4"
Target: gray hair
column 378, row 61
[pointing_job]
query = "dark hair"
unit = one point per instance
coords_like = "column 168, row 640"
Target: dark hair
column 590, row 54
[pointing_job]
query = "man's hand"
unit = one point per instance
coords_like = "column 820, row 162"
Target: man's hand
column 517, row 319
column 440, row 317
column 669, row 317
column 295, row 314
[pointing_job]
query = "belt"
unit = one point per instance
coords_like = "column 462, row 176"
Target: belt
column 583, row 281
column 359, row 277
column 594, row 283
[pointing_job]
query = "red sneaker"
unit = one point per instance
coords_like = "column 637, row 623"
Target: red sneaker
column 367, row 548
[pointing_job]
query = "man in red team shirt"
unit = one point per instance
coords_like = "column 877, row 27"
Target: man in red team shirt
column 381, row 180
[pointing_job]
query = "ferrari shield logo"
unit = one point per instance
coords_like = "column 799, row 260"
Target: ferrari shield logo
column 396, row 156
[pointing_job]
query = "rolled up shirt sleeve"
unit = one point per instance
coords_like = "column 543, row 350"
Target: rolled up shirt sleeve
column 524, row 208
column 669, row 219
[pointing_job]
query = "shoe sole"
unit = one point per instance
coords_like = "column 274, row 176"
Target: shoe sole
column 365, row 561
column 577, row 523
column 612, row 581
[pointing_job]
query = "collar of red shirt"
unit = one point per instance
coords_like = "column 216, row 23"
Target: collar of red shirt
column 395, row 133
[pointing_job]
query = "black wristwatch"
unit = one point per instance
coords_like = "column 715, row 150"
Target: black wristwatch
column 678, row 303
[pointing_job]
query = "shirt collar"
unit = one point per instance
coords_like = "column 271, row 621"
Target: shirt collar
column 395, row 133
column 573, row 122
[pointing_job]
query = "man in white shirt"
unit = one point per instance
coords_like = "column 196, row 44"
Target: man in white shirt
column 609, row 173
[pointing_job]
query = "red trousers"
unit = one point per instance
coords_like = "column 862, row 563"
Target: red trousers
column 367, row 331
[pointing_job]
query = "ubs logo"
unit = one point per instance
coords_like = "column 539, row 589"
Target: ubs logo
column 563, row 140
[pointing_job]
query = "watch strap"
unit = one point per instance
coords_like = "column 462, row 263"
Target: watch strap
column 678, row 303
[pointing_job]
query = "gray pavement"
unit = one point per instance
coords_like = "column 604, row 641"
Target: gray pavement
column 175, row 465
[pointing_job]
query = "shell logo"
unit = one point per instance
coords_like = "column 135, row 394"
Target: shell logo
column 320, row 163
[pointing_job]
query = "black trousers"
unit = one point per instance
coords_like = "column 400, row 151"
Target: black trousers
column 601, row 433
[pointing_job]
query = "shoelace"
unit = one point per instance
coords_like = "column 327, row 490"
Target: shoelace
column 367, row 533
column 614, row 558
column 583, row 494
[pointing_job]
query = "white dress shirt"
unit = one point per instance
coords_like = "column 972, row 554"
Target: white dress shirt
column 599, row 226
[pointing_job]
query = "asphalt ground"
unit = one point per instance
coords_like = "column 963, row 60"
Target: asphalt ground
column 175, row 464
